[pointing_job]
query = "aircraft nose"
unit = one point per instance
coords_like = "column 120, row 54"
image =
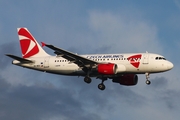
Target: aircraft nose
column 170, row 65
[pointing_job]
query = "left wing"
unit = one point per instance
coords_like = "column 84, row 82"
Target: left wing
column 73, row 58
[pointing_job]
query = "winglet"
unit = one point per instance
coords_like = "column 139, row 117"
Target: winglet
column 43, row 44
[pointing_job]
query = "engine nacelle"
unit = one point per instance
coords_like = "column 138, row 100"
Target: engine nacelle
column 127, row 79
column 107, row 69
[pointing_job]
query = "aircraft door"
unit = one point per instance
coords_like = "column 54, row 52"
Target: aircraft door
column 145, row 58
column 46, row 62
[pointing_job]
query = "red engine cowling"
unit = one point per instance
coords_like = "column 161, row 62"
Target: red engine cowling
column 107, row 69
column 128, row 79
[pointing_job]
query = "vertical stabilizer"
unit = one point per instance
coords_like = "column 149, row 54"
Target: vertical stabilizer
column 29, row 45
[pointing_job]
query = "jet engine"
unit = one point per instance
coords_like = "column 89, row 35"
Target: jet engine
column 107, row 69
column 127, row 79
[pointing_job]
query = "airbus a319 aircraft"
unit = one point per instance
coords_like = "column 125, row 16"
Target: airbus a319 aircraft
column 121, row 68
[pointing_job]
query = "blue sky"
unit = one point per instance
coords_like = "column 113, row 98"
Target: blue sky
column 84, row 27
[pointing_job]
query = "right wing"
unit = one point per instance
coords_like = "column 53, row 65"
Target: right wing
column 19, row 58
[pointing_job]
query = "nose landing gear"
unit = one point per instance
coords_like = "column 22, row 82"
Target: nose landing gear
column 147, row 79
column 148, row 82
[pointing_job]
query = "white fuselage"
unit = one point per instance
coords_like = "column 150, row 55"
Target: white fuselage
column 137, row 63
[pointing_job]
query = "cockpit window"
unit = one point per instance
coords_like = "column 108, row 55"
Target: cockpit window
column 160, row 58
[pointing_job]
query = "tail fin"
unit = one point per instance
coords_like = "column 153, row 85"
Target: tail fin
column 29, row 45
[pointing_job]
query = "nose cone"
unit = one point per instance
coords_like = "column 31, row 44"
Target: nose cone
column 170, row 65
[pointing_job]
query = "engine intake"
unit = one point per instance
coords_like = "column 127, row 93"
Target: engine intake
column 128, row 79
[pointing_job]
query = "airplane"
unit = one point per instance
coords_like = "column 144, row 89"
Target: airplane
column 121, row 68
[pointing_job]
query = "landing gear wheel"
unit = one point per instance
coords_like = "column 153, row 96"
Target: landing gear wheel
column 147, row 79
column 148, row 82
column 87, row 79
column 101, row 86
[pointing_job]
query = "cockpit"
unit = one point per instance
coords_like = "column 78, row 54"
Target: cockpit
column 160, row 58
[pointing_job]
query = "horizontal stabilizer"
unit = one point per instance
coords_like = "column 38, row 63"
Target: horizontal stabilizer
column 19, row 59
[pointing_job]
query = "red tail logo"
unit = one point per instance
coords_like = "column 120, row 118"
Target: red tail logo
column 135, row 60
column 28, row 43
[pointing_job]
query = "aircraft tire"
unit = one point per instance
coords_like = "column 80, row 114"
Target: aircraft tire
column 87, row 80
column 101, row 86
column 148, row 82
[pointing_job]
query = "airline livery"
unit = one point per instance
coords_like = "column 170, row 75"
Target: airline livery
column 121, row 68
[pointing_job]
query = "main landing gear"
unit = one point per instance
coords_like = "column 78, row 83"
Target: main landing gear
column 147, row 79
column 101, row 86
column 87, row 79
